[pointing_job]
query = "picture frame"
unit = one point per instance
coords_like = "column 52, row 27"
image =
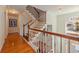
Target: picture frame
column 12, row 22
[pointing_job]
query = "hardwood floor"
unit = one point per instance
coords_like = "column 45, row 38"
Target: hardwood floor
column 15, row 44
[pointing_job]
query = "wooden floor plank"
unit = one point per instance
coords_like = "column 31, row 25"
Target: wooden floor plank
column 15, row 44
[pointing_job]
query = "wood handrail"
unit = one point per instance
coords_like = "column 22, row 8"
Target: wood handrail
column 28, row 23
column 28, row 26
column 24, row 27
column 57, row 34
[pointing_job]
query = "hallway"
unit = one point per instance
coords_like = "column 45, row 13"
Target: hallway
column 15, row 44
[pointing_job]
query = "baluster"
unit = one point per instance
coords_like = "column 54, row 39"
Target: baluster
column 44, row 43
column 38, row 44
column 54, row 44
column 28, row 33
column 68, row 46
column 50, row 47
column 23, row 30
column 60, row 44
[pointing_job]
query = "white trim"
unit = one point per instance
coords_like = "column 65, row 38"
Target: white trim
column 2, row 45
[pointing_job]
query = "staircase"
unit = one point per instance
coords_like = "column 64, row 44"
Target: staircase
column 33, row 22
column 36, row 39
column 43, row 41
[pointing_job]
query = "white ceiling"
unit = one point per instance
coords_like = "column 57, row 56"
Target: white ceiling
column 18, row 7
column 53, row 8
column 56, row 7
column 59, row 9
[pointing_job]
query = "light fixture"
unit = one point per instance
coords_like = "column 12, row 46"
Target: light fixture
column 13, row 11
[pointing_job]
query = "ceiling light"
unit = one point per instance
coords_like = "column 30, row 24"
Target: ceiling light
column 13, row 11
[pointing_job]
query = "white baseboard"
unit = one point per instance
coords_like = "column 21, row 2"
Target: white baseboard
column 2, row 44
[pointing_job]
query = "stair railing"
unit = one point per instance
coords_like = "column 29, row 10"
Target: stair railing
column 54, row 42
column 24, row 27
column 28, row 24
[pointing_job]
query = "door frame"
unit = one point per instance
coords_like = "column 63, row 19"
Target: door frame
column 14, row 15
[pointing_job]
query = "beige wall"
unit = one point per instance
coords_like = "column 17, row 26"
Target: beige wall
column 51, row 19
column 58, row 25
column 61, row 28
column 23, row 19
column 21, row 24
column 2, row 25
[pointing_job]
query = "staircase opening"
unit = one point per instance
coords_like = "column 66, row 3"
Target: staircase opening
column 38, row 22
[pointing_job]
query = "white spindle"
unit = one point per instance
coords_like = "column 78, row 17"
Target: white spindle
column 69, row 46
column 54, row 44
column 60, row 44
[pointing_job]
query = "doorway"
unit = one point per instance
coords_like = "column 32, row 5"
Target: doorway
column 13, row 23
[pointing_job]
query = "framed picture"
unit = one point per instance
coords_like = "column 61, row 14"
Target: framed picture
column 72, row 24
column 12, row 22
